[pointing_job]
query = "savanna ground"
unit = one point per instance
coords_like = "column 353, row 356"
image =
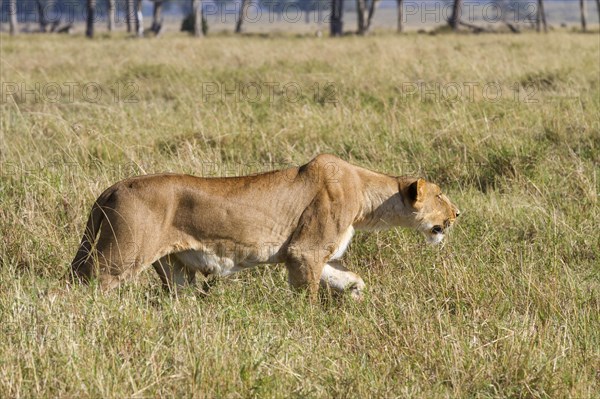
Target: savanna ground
column 509, row 307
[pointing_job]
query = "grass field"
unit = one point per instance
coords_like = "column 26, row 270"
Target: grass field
column 509, row 307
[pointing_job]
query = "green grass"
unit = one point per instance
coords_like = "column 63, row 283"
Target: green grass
column 509, row 307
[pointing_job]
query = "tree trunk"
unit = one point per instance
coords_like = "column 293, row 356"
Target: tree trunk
column 541, row 17
column 41, row 15
column 110, row 5
column 598, row 7
column 197, row 10
column 400, row 27
column 130, row 15
column 361, row 9
column 455, row 19
column 139, row 19
column 91, row 16
column 243, row 12
column 582, row 6
column 372, row 8
column 12, row 15
column 337, row 18
column 157, row 17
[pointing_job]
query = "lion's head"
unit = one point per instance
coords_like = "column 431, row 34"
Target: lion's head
column 433, row 211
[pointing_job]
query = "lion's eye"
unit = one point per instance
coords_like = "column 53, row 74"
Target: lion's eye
column 437, row 230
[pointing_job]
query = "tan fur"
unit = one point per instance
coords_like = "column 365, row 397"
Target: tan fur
column 300, row 216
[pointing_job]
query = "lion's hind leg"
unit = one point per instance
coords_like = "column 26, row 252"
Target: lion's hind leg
column 116, row 262
column 121, row 252
column 173, row 273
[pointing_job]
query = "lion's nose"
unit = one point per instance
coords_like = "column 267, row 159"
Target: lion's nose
column 437, row 230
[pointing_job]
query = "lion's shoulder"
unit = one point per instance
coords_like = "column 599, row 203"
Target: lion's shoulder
column 326, row 172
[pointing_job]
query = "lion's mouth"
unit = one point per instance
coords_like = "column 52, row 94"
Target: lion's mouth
column 434, row 238
column 434, row 234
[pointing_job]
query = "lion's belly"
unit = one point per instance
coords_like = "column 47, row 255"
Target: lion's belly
column 207, row 262
column 224, row 262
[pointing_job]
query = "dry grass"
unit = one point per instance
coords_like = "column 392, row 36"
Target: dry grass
column 508, row 308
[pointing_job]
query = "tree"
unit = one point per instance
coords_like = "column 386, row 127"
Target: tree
column 12, row 15
column 582, row 7
column 243, row 13
column 194, row 22
column 157, row 17
column 130, row 15
column 541, row 17
column 372, row 9
column 91, row 16
column 361, row 8
column 197, row 12
column 41, row 15
column 456, row 11
column 139, row 19
column 598, row 7
column 337, row 18
column 400, row 27
column 111, row 14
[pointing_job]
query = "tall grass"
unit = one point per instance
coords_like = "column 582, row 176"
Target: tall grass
column 509, row 307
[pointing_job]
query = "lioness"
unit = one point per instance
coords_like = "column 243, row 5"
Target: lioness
column 304, row 217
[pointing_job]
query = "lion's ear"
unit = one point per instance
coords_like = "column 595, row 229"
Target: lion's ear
column 415, row 190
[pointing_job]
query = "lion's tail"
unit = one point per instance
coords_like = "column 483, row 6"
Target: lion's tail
column 82, row 267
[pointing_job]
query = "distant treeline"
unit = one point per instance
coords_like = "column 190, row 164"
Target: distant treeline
column 70, row 10
column 470, row 15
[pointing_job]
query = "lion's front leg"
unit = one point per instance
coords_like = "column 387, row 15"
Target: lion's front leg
column 324, row 230
column 305, row 273
column 337, row 277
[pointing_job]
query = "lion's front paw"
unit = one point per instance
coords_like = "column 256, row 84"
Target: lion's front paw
column 356, row 290
column 356, row 295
